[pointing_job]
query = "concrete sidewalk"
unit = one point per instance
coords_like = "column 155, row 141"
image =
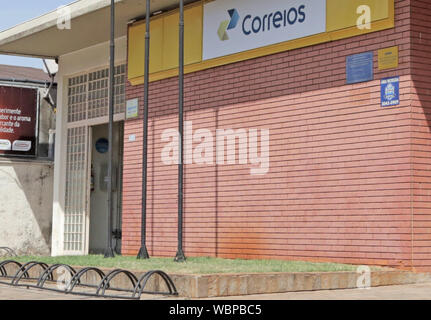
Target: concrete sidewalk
column 22, row 293
column 400, row 292
column 11, row 293
column 420, row 291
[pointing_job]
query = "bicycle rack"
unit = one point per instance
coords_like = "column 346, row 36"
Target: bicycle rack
column 76, row 280
column 106, row 284
column 23, row 272
column 139, row 289
column 9, row 252
column 3, row 270
column 46, row 275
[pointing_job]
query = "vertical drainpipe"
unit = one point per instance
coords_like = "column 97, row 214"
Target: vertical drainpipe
column 143, row 253
column 109, row 252
column 180, row 257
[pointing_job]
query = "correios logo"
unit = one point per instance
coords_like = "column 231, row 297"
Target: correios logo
column 266, row 23
column 228, row 24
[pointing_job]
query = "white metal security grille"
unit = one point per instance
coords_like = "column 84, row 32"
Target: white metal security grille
column 98, row 92
column 120, row 89
column 87, row 100
column 75, row 205
column 89, row 93
column 98, row 89
column 77, row 98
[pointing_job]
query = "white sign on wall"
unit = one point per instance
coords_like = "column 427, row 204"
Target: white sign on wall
column 232, row 26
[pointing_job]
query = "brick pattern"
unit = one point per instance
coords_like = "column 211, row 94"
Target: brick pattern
column 421, row 136
column 339, row 184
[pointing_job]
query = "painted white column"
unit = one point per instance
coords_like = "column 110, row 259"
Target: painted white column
column 82, row 61
column 59, row 166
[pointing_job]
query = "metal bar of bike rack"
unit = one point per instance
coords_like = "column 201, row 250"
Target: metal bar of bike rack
column 77, row 278
column 168, row 281
column 105, row 284
column 4, row 272
column 6, row 262
column 9, row 251
column 46, row 275
column 23, row 272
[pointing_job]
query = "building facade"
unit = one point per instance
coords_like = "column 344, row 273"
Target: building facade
column 26, row 171
column 340, row 88
column 347, row 179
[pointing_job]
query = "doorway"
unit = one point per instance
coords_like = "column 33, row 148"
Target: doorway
column 99, row 188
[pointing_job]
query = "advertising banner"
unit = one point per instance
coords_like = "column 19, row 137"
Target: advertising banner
column 232, row 26
column 18, row 116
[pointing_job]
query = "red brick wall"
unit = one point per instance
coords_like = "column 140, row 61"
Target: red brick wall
column 339, row 184
column 421, row 137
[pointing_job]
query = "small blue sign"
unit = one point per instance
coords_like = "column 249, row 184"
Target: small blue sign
column 360, row 67
column 102, row 145
column 390, row 91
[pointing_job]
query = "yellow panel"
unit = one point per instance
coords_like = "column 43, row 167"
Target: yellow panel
column 193, row 31
column 136, row 48
column 342, row 14
column 170, row 43
column 241, row 56
column 388, row 58
column 156, row 46
column 387, row 23
column 383, row 17
column 136, row 62
column 193, row 34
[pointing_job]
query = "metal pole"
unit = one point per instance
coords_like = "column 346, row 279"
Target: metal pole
column 109, row 252
column 180, row 257
column 143, row 253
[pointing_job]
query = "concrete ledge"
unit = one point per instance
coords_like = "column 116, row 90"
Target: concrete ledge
column 223, row 285
column 195, row 286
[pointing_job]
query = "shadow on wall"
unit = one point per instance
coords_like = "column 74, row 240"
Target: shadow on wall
column 421, row 134
column 26, row 190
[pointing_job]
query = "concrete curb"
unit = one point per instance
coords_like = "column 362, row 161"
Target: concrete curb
column 224, row 285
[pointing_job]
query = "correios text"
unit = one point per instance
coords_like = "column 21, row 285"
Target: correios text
column 275, row 20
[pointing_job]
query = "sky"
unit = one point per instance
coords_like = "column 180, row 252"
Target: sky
column 18, row 11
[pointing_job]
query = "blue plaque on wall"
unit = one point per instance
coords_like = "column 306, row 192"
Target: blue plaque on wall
column 359, row 67
column 390, row 91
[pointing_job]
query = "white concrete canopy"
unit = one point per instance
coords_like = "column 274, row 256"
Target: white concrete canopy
column 40, row 37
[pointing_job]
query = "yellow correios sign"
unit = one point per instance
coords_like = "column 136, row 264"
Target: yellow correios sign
column 344, row 19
